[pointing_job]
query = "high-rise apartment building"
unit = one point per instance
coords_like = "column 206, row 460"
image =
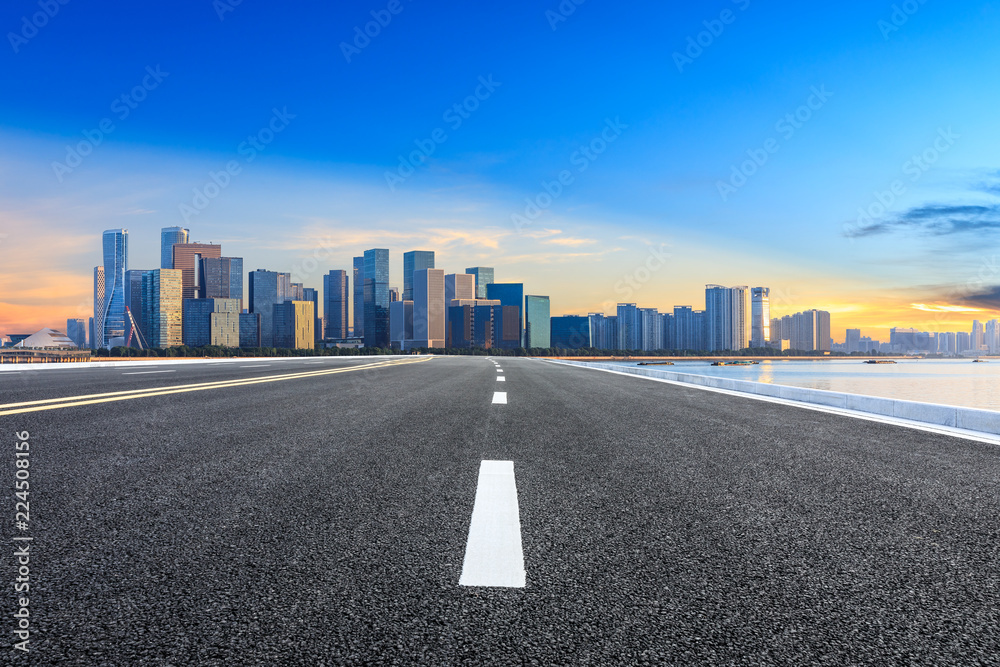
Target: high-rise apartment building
column 414, row 260
column 537, row 321
column 335, row 300
column 400, row 324
column 689, row 329
column 312, row 295
column 115, row 265
column 427, row 286
column 211, row 322
column 629, row 327
column 470, row 323
column 168, row 237
column 268, row 289
column 162, row 291
column 483, row 276
column 726, row 314
column 650, row 329
column 509, row 295
column 187, row 258
column 760, row 316
column 852, row 341
column 359, row 298
column 376, row 301
column 250, row 330
column 459, row 286
column 506, row 326
column 603, row 331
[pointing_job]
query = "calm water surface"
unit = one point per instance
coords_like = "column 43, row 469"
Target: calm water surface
column 948, row 381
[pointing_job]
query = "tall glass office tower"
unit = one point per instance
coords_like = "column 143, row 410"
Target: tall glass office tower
column 537, row 321
column 267, row 290
column 415, row 260
column 335, row 289
column 726, row 314
column 484, row 276
column 168, row 237
column 510, row 295
column 359, row 297
column 376, row 297
column 97, row 329
column 760, row 316
column 115, row 265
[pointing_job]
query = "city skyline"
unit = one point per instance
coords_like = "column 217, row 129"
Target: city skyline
column 825, row 190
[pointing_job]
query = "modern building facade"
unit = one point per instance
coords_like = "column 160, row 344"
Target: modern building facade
column 336, row 287
column 249, row 330
column 726, row 315
column 400, row 324
column 293, row 325
column 483, row 276
column 570, row 332
column 97, row 332
column 510, row 295
column 506, row 327
column 268, row 289
column 115, row 265
column 427, row 286
column 629, row 327
column 459, row 286
column 211, row 322
column 168, row 237
column 223, row 278
column 76, row 329
column 376, row 298
column 359, row 298
column 162, row 307
column 650, row 326
column 187, row 258
column 537, row 324
column 414, row 260
column 760, row 316
column 603, row 331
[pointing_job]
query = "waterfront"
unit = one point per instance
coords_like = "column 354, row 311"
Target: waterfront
column 948, row 381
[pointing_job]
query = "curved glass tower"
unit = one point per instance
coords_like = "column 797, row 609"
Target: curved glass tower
column 115, row 264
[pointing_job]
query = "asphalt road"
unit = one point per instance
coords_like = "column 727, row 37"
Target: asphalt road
column 323, row 519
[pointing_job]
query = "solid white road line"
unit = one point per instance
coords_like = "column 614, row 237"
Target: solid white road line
column 256, row 366
column 493, row 554
column 500, row 397
column 147, row 372
column 501, row 378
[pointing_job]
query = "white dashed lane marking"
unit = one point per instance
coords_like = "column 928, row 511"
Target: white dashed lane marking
column 493, row 554
column 500, row 397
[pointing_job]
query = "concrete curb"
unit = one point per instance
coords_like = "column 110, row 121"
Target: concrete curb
column 983, row 421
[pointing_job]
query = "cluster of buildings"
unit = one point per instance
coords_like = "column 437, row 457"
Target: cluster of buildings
column 196, row 298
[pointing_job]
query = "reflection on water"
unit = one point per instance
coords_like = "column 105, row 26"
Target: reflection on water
column 948, row 381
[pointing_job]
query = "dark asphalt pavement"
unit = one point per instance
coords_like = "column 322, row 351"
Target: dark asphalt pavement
column 323, row 520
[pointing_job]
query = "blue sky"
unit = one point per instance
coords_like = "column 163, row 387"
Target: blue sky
column 873, row 86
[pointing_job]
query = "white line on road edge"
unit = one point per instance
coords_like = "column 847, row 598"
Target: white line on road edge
column 493, row 554
column 256, row 366
column 501, row 378
column 147, row 372
column 500, row 397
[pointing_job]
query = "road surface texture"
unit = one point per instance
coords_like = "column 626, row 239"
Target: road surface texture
column 322, row 519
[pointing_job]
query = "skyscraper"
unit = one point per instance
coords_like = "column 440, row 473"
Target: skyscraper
column 629, row 327
column 267, row 289
column 760, row 316
column 97, row 334
column 187, row 258
column 115, row 265
column 510, row 295
column 726, row 312
column 537, row 325
column 76, row 329
column 376, row 302
column 293, row 325
column 162, row 306
column 211, row 322
column 603, row 331
column 335, row 289
column 359, row 298
column 852, row 340
column 400, row 324
column 570, row 332
column 650, row 329
column 427, row 286
column 168, row 237
column 459, row 286
column 484, row 276
column 223, row 278
column 414, row 260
